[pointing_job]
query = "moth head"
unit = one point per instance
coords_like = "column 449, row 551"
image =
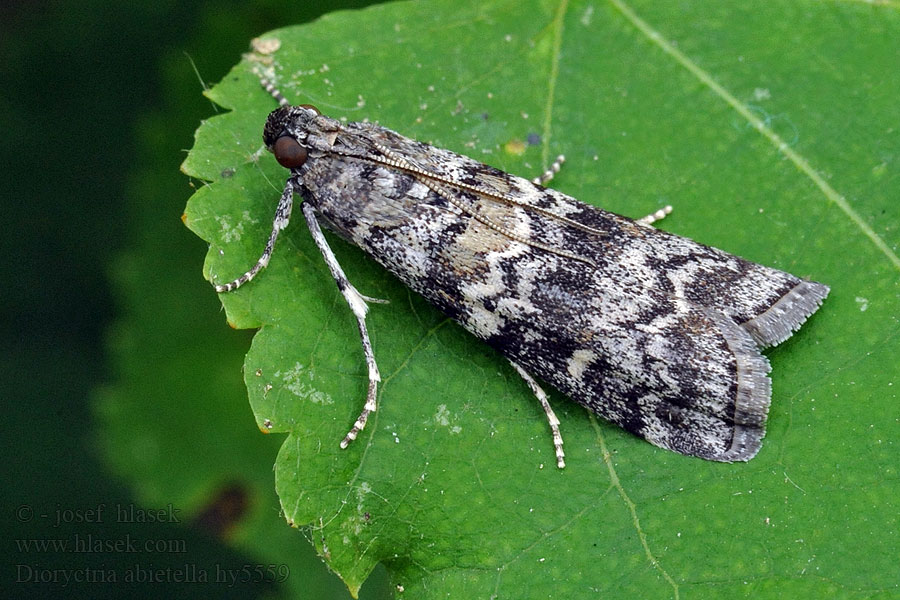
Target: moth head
column 285, row 133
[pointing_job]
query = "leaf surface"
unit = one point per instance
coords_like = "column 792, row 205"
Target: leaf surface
column 772, row 131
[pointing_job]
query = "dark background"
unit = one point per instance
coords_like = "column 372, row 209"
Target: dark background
column 99, row 103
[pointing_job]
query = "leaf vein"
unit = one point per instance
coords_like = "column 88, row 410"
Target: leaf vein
column 780, row 145
column 551, row 81
column 632, row 508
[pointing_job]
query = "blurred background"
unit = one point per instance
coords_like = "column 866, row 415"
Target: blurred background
column 133, row 466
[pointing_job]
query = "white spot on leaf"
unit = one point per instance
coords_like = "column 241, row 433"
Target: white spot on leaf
column 233, row 232
column 588, row 15
column 442, row 418
column 296, row 382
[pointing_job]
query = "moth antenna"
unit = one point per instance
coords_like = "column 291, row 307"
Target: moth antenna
column 269, row 85
column 434, row 182
column 394, row 161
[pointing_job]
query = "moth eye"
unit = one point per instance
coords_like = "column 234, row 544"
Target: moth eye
column 289, row 153
column 311, row 107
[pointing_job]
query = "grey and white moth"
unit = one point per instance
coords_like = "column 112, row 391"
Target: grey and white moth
column 651, row 331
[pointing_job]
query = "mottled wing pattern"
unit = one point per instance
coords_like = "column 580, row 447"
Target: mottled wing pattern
column 768, row 303
column 652, row 331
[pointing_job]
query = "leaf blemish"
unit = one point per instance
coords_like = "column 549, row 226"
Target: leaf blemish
column 442, row 418
column 761, row 94
column 362, row 491
column 588, row 15
column 233, row 233
column 295, row 381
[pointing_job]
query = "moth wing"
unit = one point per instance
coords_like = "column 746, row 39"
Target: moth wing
column 652, row 331
column 684, row 377
column 768, row 303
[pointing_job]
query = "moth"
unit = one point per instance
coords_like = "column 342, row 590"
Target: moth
column 654, row 332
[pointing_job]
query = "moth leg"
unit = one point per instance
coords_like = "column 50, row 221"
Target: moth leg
column 547, row 175
column 657, row 216
column 551, row 416
column 282, row 218
column 358, row 305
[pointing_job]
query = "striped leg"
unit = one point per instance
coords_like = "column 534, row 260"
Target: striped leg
column 547, row 175
column 282, row 217
column 657, row 216
column 551, row 416
column 358, row 306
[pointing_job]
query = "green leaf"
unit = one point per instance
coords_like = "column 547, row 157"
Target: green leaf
column 770, row 126
column 173, row 421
